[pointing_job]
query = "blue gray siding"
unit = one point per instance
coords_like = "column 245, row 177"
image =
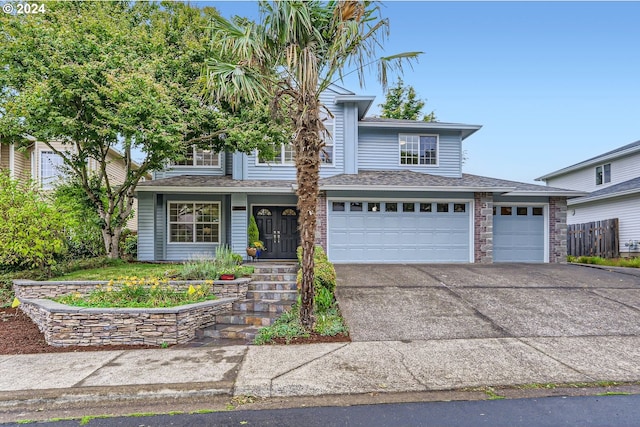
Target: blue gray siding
column 239, row 223
column 379, row 150
column 146, row 227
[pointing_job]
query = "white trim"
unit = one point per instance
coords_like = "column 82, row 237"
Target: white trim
column 220, row 223
column 193, row 147
column 415, row 188
column 419, row 166
column 603, row 183
column 545, row 220
column 587, row 199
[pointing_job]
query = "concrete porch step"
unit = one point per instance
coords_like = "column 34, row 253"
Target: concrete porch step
column 274, row 277
column 263, row 268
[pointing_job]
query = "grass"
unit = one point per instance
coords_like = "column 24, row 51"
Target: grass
column 120, row 269
column 610, row 262
column 287, row 326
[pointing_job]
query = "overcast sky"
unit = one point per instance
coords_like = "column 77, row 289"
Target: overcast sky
column 552, row 83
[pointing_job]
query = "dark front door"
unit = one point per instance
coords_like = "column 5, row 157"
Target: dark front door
column 278, row 226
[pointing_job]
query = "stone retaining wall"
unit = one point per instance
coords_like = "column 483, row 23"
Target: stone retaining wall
column 64, row 325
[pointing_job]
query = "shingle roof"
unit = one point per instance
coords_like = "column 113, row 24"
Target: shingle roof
column 409, row 179
column 628, row 187
column 213, row 183
column 381, row 180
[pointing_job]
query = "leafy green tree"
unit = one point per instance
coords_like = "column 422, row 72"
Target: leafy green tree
column 401, row 102
column 297, row 50
column 111, row 79
column 83, row 229
column 31, row 231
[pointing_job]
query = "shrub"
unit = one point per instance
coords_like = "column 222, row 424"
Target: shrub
column 130, row 245
column 325, row 273
column 31, row 231
column 82, row 223
column 200, row 268
column 253, row 233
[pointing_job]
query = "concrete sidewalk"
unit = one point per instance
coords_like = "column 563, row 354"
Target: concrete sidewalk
column 32, row 381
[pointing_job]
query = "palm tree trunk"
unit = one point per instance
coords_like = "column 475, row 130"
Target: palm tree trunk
column 308, row 167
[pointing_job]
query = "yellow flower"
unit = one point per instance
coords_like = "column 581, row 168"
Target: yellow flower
column 191, row 290
column 15, row 303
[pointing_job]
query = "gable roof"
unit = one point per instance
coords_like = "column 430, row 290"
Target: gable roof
column 379, row 122
column 629, row 187
column 609, row 155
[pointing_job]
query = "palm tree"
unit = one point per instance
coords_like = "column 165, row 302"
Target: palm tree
column 297, row 50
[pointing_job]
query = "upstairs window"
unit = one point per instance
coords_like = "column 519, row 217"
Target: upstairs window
column 51, row 169
column 326, row 154
column 418, row 149
column 284, row 156
column 603, row 174
column 199, row 157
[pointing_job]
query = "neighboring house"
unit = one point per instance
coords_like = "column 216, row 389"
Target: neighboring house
column 612, row 181
column 41, row 165
column 391, row 191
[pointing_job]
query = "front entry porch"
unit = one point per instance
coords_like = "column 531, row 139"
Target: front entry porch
column 278, row 226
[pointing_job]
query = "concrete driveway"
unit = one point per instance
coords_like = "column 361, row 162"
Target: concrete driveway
column 432, row 302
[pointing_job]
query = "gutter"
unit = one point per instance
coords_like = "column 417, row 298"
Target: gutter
column 209, row 190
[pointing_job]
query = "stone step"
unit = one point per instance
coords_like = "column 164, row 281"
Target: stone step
column 233, row 332
column 268, row 285
column 237, row 317
column 283, row 295
column 275, row 269
column 264, row 306
column 274, row 277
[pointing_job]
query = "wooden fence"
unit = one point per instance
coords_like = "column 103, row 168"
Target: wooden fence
column 599, row 238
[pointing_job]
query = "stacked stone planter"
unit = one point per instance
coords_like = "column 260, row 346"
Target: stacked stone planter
column 64, row 325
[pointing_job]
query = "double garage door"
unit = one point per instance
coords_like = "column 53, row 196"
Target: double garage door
column 424, row 232
column 399, row 231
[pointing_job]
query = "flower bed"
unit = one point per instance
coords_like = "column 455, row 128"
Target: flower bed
column 64, row 325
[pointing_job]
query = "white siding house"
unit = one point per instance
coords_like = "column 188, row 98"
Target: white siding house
column 612, row 181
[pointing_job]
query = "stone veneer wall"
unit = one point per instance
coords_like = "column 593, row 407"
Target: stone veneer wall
column 64, row 325
column 483, row 228
column 557, row 230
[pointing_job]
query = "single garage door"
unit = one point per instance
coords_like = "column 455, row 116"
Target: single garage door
column 518, row 234
column 399, row 231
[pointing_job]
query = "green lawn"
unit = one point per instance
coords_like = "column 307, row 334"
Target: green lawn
column 120, row 269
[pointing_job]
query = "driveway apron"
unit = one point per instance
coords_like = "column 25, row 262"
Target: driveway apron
column 444, row 301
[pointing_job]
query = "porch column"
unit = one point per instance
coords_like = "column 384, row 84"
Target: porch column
column 239, row 224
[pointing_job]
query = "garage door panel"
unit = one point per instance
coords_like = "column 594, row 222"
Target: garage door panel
column 399, row 236
column 518, row 238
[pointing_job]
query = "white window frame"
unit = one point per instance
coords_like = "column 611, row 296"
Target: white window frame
column 418, row 165
column 194, row 223
column 54, row 179
column 329, row 140
column 284, row 150
column 193, row 160
column 603, row 174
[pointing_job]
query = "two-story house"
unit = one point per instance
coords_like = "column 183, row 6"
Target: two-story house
column 391, row 191
column 612, row 181
column 43, row 166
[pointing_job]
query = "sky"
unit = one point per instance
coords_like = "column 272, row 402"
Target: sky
column 551, row 83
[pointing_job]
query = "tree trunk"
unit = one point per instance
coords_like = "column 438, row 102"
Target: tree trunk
column 308, row 166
